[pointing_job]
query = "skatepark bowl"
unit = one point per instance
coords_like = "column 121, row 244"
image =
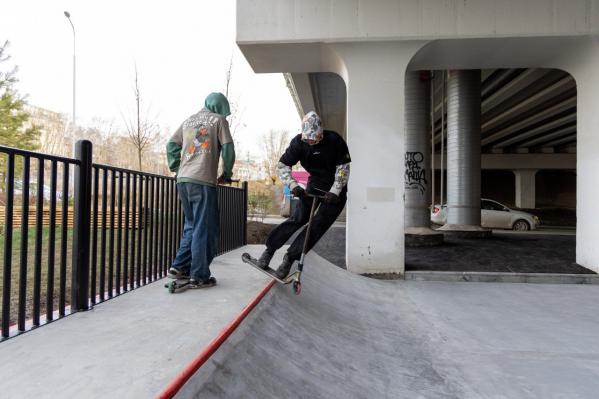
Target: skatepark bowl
column 347, row 336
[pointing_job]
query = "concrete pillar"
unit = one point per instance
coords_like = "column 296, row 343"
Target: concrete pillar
column 417, row 173
column 525, row 188
column 463, row 151
column 374, row 74
column 417, row 161
column 583, row 63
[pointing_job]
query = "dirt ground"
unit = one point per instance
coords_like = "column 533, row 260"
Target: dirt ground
column 257, row 232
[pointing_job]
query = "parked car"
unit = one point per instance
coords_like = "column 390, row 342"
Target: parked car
column 33, row 190
column 493, row 215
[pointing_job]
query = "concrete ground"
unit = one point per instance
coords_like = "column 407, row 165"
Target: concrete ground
column 347, row 336
column 544, row 251
column 128, row 347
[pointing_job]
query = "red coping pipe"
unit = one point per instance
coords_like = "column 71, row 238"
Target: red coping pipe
column 177, row 383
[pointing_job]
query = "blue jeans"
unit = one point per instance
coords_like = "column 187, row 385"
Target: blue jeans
column 201, row 230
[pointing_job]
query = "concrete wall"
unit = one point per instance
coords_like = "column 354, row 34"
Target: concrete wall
column 556, row 189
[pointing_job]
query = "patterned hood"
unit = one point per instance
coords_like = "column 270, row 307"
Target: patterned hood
column 312, row 127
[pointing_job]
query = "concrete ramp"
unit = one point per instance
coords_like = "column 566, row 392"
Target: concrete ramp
column 347, row 336
column 342, row 337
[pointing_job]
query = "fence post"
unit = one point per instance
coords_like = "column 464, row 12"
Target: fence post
column 81, row 226
column 245, row 212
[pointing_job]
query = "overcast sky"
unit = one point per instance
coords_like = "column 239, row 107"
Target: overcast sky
column 181, row 48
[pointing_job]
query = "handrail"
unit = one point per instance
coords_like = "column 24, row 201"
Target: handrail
column 39, row 155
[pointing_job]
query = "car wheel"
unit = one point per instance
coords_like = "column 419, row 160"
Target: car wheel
column 521, row 225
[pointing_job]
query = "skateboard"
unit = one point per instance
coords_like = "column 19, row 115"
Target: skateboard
column 178, row 285
column 181, row 284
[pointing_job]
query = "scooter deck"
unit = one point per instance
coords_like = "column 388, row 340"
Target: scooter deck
column 250, row 260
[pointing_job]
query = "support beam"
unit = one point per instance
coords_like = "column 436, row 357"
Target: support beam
column 501, row 161
column 536, row 118
column 303, row 93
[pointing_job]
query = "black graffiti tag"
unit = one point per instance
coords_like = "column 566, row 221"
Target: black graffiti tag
column 415, row 174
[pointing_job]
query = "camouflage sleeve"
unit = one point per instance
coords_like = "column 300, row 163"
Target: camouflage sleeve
column 284, row 173
column 341, row 178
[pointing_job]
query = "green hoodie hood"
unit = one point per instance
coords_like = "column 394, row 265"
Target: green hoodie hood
column 218, row 104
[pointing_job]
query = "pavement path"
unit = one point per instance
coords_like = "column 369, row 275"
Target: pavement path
column 131, row 346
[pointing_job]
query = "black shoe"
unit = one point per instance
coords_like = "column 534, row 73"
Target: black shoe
column 264, row 259
column 194, row 284
column 284, row 268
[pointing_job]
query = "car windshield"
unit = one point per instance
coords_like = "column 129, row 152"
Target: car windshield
column 491, row 206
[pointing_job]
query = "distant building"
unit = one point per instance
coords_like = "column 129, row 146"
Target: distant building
column 54, row 128
column 248, row 170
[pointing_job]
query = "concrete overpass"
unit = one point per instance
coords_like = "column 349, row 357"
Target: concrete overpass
column 351, row 61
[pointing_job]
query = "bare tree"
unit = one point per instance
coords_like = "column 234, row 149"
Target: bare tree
column 228, row 75
column 274, row 144
column 140, row 129
column 236, row 113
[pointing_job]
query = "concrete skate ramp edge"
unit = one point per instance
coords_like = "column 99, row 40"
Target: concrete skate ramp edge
column 343, row 337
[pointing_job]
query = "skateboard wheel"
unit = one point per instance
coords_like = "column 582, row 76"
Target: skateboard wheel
column 171, row 288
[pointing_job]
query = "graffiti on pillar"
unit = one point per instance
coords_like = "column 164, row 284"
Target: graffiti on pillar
column 415, row 172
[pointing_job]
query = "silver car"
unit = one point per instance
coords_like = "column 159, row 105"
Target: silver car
column 493, row 215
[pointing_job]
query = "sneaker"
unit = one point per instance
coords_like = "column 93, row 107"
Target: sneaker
column 195, row 284
column 284, row 268
column 176, row 274
column 264, row 259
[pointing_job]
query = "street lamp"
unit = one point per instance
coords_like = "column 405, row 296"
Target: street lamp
column 68, row 15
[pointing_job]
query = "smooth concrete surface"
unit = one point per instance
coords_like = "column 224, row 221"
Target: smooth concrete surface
column 347, row 336
column 131, row 346
column 267, row 21
column 525, row 188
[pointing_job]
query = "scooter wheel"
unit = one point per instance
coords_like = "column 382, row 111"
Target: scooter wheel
column 297, row 287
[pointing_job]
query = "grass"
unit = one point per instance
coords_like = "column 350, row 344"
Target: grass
column 16, row 266
column 45, row 280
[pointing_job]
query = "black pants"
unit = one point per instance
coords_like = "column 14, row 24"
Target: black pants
column 324, row 217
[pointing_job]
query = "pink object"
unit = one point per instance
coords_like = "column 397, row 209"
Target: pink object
column 301, row 177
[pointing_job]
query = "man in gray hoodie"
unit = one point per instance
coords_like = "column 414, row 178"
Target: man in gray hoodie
column 193, row 153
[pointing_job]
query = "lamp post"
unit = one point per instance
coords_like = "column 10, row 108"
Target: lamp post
column 68, row 15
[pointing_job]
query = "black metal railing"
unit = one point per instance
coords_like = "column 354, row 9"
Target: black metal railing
column 118, row 229
column 233, row 205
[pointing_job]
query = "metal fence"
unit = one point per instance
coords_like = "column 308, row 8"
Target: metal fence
column 126, row 227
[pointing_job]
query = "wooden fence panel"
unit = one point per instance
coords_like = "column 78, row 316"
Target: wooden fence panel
column 46, row 219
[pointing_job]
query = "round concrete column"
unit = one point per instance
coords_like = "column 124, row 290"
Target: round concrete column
column 463, row 151
column 418, row 161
